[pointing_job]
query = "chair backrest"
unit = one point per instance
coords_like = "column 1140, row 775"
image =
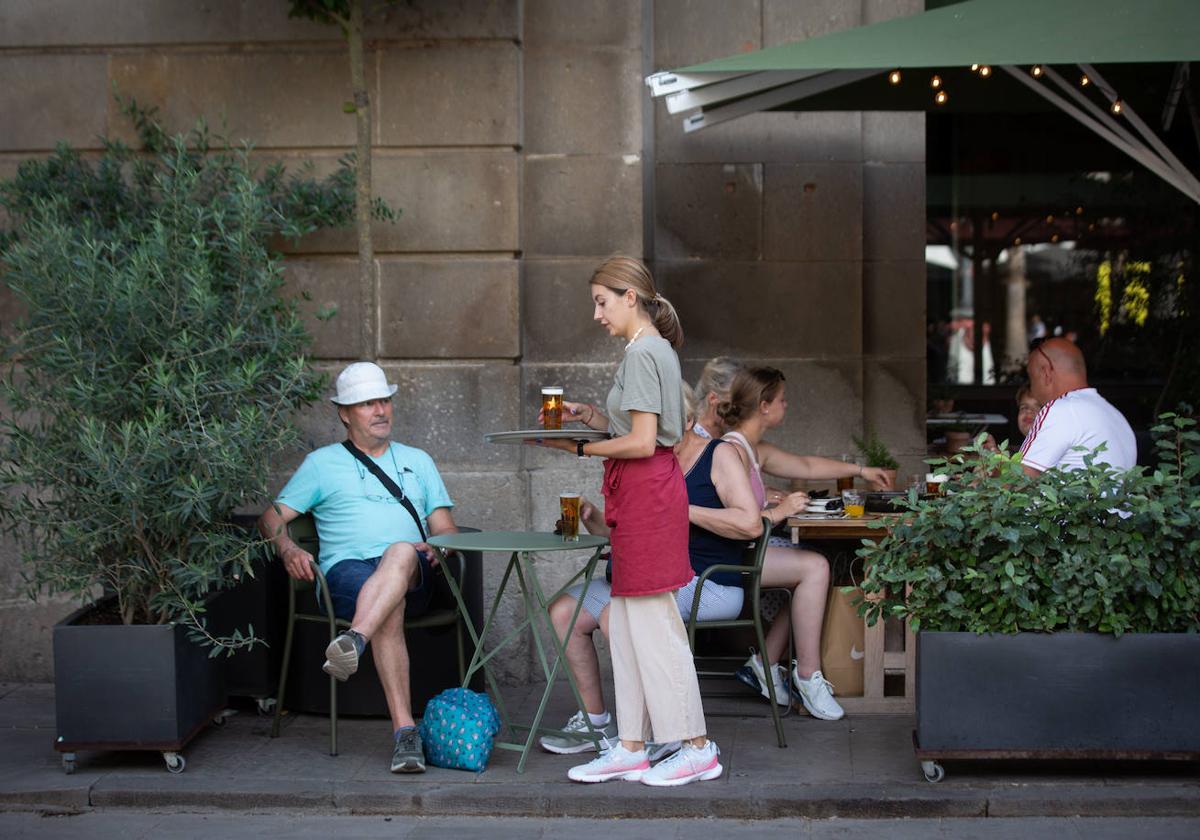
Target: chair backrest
column 750, row 568
column 303, row 531
column 756, row 552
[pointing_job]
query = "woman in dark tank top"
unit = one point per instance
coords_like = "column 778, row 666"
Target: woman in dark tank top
column 708, row 547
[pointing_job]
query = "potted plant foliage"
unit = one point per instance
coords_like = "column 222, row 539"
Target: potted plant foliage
column 959, row 434
column 149, row 385
column 876, row 453
column 1058, row 616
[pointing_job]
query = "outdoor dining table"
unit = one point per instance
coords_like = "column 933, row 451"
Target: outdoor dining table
column 835, row 528
column 520, row 546
column 877, row 662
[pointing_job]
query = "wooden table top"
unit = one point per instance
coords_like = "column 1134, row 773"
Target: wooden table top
column 837, row 529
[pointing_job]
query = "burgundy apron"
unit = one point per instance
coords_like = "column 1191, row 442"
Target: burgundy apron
column 646, row 506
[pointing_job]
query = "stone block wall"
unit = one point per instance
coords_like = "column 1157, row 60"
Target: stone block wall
column 518, row 142
column 796, row 239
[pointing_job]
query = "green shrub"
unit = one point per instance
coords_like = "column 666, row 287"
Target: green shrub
column 154, row 377
column 1084, row 550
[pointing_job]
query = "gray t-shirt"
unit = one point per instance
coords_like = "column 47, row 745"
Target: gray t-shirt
column 648, row 380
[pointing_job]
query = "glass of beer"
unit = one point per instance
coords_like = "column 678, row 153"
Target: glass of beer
column 552, row 405
column 852, row 501
column 933, row 484
column 568, row 504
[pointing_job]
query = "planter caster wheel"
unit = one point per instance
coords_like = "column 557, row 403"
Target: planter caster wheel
column 266, row 706
column 225, row 715
column 68, row 763
column 933, row 771
column 175, row 762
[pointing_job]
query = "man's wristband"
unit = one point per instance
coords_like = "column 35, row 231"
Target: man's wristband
column 579, row 449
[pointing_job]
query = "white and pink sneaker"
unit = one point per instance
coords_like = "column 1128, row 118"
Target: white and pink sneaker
column 614, row 763
column 690, row 764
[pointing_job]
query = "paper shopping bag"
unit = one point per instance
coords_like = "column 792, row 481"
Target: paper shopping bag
column 842, row 643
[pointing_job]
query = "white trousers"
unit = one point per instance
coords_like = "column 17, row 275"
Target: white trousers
column 654, row 676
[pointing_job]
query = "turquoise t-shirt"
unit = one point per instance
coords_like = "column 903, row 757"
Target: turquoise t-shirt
column 356, row 515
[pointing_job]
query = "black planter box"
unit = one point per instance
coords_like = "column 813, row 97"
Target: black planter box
column 260, row 601
column 1068, row 695
column 132, row 687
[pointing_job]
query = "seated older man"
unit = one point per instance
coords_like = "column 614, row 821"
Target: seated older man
column 1072, row 415
column 373, row 500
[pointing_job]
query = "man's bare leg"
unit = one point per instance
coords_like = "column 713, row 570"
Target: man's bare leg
column 581, row 651
column 379, row 617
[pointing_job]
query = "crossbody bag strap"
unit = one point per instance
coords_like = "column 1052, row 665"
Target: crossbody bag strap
column 386, row 481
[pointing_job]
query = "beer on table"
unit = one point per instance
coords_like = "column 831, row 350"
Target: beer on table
column 569, row 507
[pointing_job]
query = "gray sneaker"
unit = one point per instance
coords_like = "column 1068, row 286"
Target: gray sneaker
column 409, row 754
column 341, row 657
column 571, row 743
column 657, row 752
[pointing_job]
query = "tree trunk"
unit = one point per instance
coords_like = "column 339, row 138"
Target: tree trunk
column 362, row 208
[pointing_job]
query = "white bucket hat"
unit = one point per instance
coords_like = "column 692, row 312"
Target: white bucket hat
column 360, row 382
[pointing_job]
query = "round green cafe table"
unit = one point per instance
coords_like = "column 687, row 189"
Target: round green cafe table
column 520, row 546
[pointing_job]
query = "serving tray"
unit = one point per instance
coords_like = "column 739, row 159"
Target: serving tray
column 522, row 435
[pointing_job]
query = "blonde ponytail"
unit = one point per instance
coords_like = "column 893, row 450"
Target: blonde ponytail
column 621, row 273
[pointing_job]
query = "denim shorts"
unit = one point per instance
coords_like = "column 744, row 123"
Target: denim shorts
column 346, row 579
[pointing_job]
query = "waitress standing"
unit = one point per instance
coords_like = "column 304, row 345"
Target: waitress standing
column 646, row 506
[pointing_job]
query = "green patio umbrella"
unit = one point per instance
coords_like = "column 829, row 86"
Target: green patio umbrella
column 980, row 55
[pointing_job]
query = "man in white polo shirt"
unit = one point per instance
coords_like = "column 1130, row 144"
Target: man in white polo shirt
column 1072, row 415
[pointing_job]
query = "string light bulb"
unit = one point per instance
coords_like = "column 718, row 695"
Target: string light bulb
column 974, row 67
column 995, row 215
column 1079, row 211
column 894, row 77
column 1084, row 81
column 1017, row 241
column 941, row 97
column 935, row 82
column 1116, row 107
column 1037, row 71
column 985, row 70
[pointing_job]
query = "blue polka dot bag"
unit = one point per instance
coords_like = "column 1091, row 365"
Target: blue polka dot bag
column 458, row 728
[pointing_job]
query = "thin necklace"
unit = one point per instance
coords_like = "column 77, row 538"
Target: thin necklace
column 635, row 336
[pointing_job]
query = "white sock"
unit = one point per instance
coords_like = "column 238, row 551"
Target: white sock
column 601, row 719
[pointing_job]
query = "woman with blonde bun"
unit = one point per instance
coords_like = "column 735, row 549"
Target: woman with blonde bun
column 646, row 508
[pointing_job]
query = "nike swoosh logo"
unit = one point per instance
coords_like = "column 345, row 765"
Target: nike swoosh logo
column 855, row 653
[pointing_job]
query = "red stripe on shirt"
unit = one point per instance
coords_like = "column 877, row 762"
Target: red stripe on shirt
column 1037, row 426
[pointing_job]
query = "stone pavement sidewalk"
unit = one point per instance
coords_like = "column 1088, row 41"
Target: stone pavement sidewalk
column 861, row 767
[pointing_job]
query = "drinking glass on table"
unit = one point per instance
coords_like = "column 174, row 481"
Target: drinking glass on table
column 934, row 483
column 852, row 502
column 568, row 504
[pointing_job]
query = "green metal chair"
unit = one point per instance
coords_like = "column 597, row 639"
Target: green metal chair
column 751, row 570
column 303, row 531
